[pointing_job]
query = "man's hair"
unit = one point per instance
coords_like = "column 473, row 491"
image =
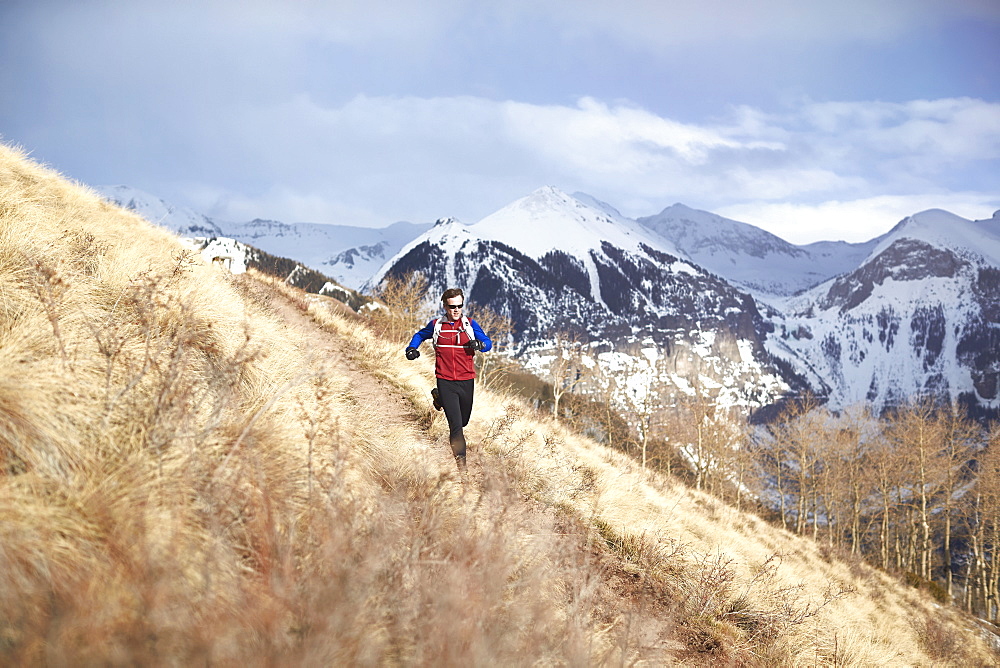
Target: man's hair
column 452, row 292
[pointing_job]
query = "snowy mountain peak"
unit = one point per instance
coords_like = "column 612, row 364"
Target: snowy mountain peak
column 681, row 209
column 697, row 231
column 549, row 219
column 183, row 221
column 261, row 227
column 598, row 204
column 945, row 230
column 928, row 218
column 448, row 235
column 346, row 253
column 749, row 256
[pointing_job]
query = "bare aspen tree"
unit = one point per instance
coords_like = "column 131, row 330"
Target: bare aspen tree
column 567, row 371
column 975, row 563
column 915, row 432
column 649, row 410
column 796, row 436
column 887, row 473
column 603, row 389
column 645, row 395
column 841, row 485
column 781, row 479
column 982, row 517
column 770, row 459
column 491, row 368
column 851, row 470
column 829, row 509
column 805, row 448
column 405, row 300
column 739, row 459
column 960, row 436
column 725, row 444
column 705, row 434
column 991, row 534
column 670, row 428
column 695, row 414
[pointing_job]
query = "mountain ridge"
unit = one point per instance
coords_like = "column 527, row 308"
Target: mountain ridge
column 758, row 260
column 554, row 261
column 620, row 299
column 346, row 253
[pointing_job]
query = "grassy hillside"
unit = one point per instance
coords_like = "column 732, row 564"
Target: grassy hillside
column 196, row 467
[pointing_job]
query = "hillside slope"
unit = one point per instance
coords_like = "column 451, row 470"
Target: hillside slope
column 204, row 468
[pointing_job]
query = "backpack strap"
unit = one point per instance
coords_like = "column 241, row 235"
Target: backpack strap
column 466, row 327
column 437, row 332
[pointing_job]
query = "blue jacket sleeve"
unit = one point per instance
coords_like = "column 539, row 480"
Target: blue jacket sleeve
column 421, row 336
column 480, row 335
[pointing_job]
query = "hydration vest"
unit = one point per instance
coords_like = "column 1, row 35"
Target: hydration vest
column 454, row 361
column 466, row 327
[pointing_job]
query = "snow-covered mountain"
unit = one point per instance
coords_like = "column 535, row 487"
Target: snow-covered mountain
column 919, row 316
column 182, row 220
column 236, row 257
column 348, row 254
column 750, row 257
column 913, row 312
column 553, row 262
column 718, row 303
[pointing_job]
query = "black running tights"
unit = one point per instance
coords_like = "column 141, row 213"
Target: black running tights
column 456, row 398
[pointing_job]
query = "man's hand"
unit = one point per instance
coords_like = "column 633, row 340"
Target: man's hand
column 412, row 353
column 475, row 344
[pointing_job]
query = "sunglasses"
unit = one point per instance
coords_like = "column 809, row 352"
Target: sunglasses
column 451, row 306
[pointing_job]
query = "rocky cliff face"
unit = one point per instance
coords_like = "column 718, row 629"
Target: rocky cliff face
column 920, row 317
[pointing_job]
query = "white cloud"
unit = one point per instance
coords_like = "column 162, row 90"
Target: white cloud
column 608, row 139
column 296, row 110
column 279, row 202
column 857, row 220
column 421, row 158
column 964, row 128
column 375, row 160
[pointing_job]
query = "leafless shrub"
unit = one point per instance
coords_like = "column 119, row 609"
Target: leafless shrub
column 492, row 368
column 500, row 437
column 405, row 309
column 940, row 640
column 50, row 288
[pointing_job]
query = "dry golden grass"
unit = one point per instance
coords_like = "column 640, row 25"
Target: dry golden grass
column 193, row 470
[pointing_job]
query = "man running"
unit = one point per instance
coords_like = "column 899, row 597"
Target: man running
column 456, row 339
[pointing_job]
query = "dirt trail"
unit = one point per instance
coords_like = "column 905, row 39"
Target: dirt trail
column 329, row 353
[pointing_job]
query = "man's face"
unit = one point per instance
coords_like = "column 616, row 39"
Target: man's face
column 453, row 307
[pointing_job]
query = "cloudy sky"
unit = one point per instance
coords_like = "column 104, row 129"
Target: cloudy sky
column 812, row 119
